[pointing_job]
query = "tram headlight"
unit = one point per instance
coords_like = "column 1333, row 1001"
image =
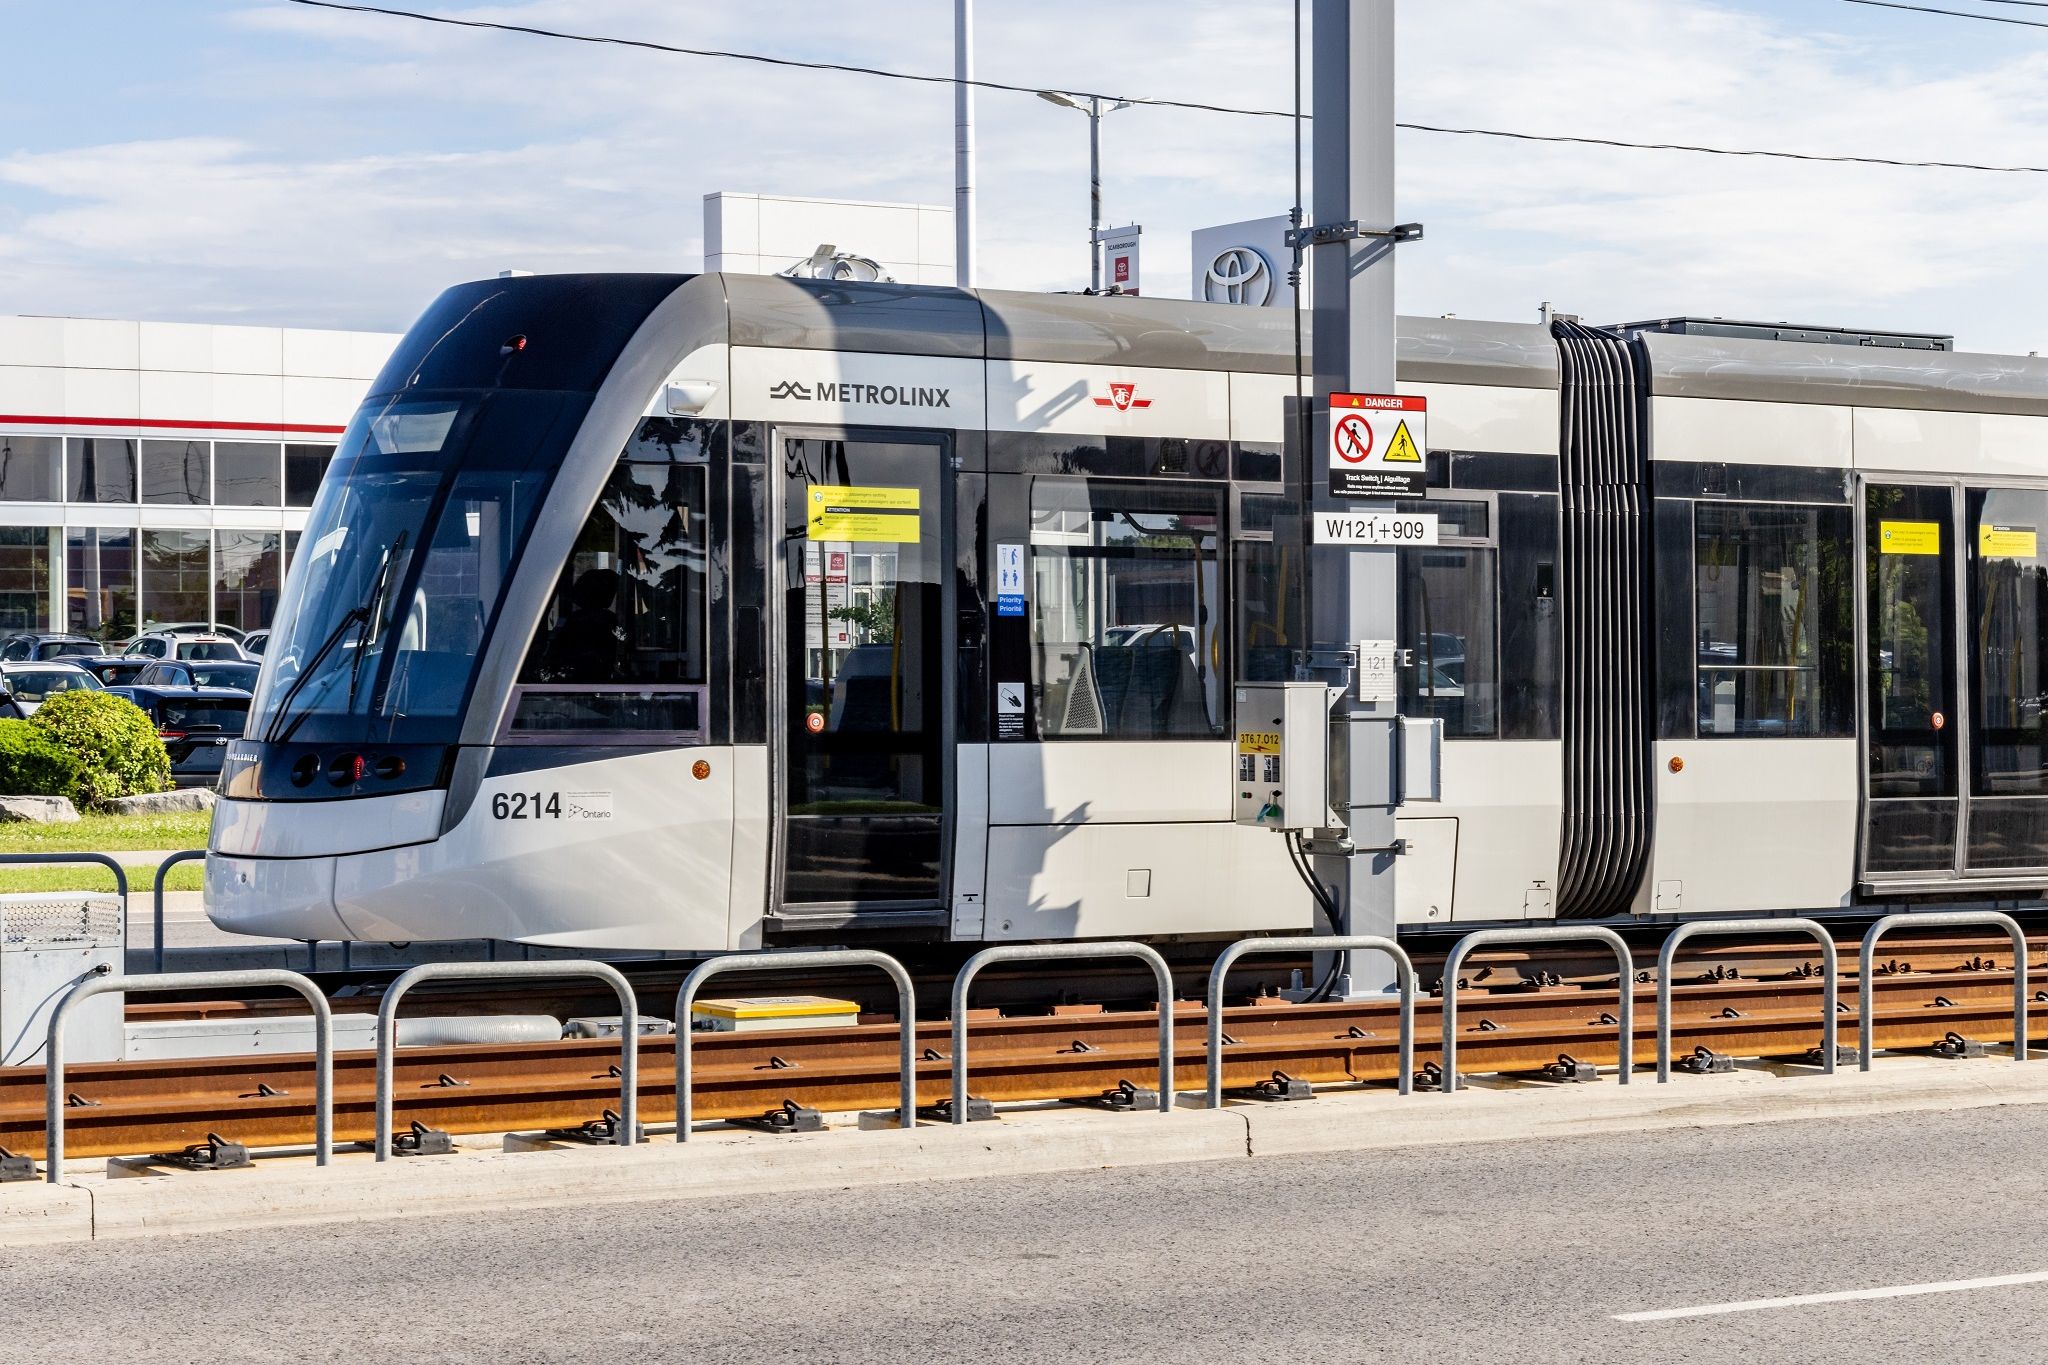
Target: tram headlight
column 305, row 770
column 346, row 770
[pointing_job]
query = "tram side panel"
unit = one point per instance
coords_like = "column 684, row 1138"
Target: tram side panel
column 1112, row 490
column 1756, row 762
column 1478, row 615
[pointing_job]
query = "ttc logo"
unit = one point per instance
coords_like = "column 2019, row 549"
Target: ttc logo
column 1123, row 397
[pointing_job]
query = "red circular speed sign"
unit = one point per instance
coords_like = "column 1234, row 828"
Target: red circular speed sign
column 1353, row 438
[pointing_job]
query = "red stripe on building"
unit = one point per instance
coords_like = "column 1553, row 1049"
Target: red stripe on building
column 167, row 423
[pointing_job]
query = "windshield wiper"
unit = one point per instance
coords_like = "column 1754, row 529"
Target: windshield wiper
column 334, row 637
column 373, row 623
column 353, row 617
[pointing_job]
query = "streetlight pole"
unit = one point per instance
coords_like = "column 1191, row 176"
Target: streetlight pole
column 1094, row 107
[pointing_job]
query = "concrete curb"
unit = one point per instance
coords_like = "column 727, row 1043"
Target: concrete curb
column 285, row 1192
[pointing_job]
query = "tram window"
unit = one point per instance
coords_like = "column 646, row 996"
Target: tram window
column 1125, row 606
column 1266, row 582
column 622, row 646
column 2008, row 656
column 1447, row 627
column 1773, row 636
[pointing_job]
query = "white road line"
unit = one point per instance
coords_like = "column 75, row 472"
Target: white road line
column 1897, row 1291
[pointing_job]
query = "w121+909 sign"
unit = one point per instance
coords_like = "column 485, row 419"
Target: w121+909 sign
column 1376, row 445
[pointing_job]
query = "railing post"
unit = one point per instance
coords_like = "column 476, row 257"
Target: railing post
column 1624, row 962
column 101, row 982
column 163, row 872
column 629, row 1029
column 1866, row 994
column 1057, row 952
column 1702, row 928
column 1247, row 947
column 906, row 1016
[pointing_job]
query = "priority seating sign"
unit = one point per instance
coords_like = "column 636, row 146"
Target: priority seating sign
column 1376, row 445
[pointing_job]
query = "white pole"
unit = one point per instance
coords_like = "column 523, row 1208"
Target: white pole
column 963, row 143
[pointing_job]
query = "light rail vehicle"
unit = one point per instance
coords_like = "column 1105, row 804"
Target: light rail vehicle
column 707, row 612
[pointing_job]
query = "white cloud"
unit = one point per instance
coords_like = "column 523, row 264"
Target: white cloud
column 380, row 159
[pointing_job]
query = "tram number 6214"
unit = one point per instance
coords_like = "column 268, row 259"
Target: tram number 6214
column 526, row 806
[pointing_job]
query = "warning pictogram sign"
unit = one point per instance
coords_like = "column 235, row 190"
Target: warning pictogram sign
column 1402, row 449
column 1376, row 445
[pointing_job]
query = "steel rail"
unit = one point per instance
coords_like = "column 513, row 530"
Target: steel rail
column 157, row 1106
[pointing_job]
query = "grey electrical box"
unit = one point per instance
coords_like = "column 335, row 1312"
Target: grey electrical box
column 49, row 942
column 1282, row 774
column 1422, row 759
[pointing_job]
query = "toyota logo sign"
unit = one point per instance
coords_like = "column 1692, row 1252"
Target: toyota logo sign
column 1239, row 274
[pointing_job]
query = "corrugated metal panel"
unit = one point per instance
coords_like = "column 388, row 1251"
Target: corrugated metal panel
column 1604, row 581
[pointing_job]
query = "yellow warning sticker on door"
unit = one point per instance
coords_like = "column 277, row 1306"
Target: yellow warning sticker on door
column 1401, row 450
column 1258, row 741
column 2008, row 542
column 1909, row 537
column 886, row 514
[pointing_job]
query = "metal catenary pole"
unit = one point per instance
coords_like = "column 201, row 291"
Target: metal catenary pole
column 1094, row 112
column 963, row 143
column 1353, row 590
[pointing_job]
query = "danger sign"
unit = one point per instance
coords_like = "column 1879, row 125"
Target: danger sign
column 1376, row 445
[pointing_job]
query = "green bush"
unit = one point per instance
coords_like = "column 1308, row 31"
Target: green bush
column 33, row 764
column 116, row 745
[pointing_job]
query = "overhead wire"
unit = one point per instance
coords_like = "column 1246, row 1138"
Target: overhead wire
column 1200, row 106
column 1956, row 13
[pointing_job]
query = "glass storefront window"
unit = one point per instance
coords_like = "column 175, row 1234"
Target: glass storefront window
column 247, row 474
column 100, row 470
column 31, row 468
column 304, row 466
column 248, row 575
column 177, row 472
column 176, row 580
column 99, row 582
column 24, row 578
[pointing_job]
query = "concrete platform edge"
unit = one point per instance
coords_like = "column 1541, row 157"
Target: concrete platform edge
column 729, row 1163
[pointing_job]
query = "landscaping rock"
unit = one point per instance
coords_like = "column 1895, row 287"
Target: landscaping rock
column 162, row 803
column 38, row 810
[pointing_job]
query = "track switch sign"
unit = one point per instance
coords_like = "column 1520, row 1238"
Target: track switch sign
column 1376, row 445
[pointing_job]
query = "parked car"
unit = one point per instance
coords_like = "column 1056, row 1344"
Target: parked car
column 165, row 645
column 191, row 628
column 30, row 646
column 113, row 670
column 231, row 673
column 195, row 724
column 28, row 685
column 255, row 642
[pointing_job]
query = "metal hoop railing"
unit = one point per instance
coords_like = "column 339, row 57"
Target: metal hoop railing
column 1623, row 959
column 1700, row 929
column 1296, row 943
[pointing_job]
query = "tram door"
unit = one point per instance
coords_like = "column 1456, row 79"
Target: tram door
column 1913, row 713
column 864, row 775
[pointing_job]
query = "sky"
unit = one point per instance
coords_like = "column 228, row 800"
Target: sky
column 262, row 162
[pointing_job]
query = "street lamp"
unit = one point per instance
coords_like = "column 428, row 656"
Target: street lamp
column 1094, row 107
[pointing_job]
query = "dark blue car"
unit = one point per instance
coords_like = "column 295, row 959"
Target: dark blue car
column 195, row 724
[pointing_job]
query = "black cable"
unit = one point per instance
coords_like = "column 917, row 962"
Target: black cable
column 1297, row 855
column 848, row 67
column 1198, row 105
column 1953, row 13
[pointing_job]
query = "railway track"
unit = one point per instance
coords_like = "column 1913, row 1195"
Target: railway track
column 129, row 1107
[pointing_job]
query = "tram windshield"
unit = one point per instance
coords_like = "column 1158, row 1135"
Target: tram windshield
column 405, row 556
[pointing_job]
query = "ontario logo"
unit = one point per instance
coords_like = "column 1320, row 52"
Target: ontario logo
column 1123, row 397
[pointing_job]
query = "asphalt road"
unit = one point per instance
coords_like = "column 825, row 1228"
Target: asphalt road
column 1497, row 1253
